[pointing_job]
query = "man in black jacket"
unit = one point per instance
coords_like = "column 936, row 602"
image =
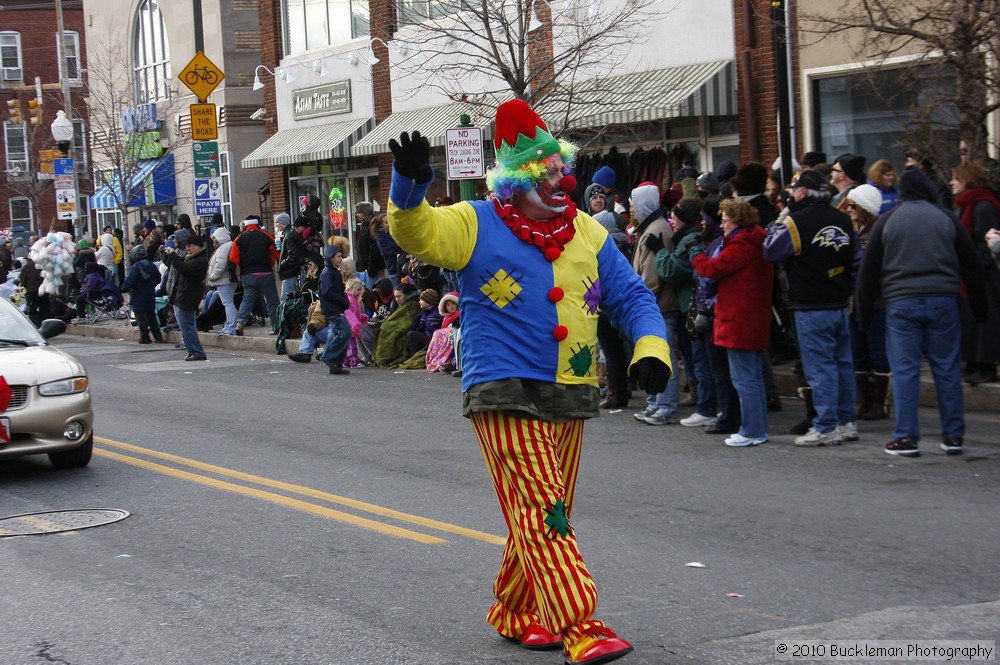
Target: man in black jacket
column 337, row 333
column 918, row 257
column 188, row 292
column 821, row 255
column 292, row 256
column 255, row 253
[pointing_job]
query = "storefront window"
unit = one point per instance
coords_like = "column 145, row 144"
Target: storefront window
column 880, row 114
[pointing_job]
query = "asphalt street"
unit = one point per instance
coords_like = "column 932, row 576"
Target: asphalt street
column 281, row 515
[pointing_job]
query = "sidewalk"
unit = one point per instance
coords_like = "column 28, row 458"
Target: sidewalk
column 984, row 398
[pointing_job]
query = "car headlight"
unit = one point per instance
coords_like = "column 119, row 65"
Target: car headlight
column 64, row 387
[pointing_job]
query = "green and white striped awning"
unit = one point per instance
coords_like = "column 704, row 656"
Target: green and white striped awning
column 705, row 89
column 308, row 144
column 430, row 122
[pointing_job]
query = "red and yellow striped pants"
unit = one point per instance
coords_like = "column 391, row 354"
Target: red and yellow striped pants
column 534, row 465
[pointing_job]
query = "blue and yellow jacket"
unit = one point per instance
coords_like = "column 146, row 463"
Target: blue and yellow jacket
column 524, row 316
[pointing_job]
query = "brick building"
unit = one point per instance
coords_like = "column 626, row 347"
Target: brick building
column 30, row 70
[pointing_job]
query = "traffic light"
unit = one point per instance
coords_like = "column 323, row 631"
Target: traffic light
column 14, row 110
column 35, row 111
column 46, row 159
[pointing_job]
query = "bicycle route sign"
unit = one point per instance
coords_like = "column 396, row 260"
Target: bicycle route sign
column 201, row 76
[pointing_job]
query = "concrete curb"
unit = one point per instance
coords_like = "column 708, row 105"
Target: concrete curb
column 984, row 398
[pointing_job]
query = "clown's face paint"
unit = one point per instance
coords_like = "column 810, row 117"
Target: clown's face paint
column 548, row 199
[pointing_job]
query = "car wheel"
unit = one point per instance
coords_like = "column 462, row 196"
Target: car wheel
column 76, row 458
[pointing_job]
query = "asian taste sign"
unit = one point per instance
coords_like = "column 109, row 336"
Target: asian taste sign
column 330, row 99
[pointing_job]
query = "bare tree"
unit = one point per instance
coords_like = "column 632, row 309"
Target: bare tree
column 955, row 40
column 124, row 127
column 527, row 49
column 25, row 181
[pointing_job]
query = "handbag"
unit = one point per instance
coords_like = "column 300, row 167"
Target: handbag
column 317, row 320
column 689, row 320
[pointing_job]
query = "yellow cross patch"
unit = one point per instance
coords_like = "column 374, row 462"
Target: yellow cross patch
column 501, row 288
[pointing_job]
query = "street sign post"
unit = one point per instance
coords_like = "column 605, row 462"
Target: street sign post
column 207, row 196
column 201, row 76
column 464, row 150
column 206, row 159
column 204, row 124
column 63, row 170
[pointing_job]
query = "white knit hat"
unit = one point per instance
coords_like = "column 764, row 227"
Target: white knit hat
column 868, row 197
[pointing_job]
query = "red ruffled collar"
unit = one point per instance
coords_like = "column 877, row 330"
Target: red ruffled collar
column 555, row 232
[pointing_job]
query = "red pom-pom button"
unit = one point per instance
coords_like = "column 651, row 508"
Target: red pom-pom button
column 556, row 294
column 552, row 253
column 560, row 333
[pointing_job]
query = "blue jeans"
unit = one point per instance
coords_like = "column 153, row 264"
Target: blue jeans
column 255, row 287
column 747, row 372
column 825, row 348
column 189, row 332
column 665, row 403
column 288, row 287
column 226, row 293
column 915, row 326
column 335, row 336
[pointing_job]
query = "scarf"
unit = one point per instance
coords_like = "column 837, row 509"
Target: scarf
column 967, row 203
column 555, row 232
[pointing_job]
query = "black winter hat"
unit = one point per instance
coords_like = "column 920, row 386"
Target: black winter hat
column 813, row 158
column 853, row 165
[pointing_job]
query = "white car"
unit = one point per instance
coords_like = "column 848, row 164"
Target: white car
column 49, row 409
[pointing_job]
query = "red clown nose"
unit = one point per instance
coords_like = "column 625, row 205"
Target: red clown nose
column 567, row 184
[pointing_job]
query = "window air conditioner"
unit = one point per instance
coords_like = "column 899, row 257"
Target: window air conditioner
column 12, row 74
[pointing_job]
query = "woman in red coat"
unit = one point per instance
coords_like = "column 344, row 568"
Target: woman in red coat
column 742, row 312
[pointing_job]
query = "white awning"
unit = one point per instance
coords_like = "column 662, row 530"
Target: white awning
column 430, row 122
column 308, row 144
column 659, row 94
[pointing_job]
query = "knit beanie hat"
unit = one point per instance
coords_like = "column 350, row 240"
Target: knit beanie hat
column 430, row 296
column 688, row 210
column 521, row 136
column 605, row 177
column 868, row 197
column 83, row 243
column 446, row 298
column 853, row 165
column 149, row 225
column 282, row 218
column 814, row 157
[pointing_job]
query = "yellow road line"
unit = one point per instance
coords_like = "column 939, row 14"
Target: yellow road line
column 308, row 491
column 274, row 498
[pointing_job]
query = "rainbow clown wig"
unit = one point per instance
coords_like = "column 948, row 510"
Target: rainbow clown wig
column 523, row 144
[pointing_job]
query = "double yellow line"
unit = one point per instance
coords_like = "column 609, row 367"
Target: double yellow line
column 290, row 502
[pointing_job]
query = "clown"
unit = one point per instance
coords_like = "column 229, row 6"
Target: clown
column 532, row 273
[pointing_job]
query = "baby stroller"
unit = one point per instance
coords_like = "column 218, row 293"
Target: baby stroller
column 100, row 299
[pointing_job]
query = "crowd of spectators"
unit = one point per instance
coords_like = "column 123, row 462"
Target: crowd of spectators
column 855, row 275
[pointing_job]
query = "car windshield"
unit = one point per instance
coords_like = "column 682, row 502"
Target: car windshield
column 15, row 327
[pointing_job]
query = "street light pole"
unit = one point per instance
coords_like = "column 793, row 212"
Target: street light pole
column 67, row 105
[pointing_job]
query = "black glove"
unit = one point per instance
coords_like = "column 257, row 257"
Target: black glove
column 703, row 324
column 654, row 242
column 412, row 154
column 651, row 374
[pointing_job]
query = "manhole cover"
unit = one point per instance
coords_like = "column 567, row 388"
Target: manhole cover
column 57, row 521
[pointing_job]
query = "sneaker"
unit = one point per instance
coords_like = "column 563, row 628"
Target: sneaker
column 903, row 448
column 739, row 441
column 816, row 438
column 952, row 445
column 659, row 419
column 697, row 420
column 645, row 413
column 339, row 370
column 848, row 431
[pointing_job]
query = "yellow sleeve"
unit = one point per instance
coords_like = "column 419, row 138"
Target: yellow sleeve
column 443, row 237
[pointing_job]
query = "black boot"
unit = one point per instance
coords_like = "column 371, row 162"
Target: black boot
column 803, row 426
